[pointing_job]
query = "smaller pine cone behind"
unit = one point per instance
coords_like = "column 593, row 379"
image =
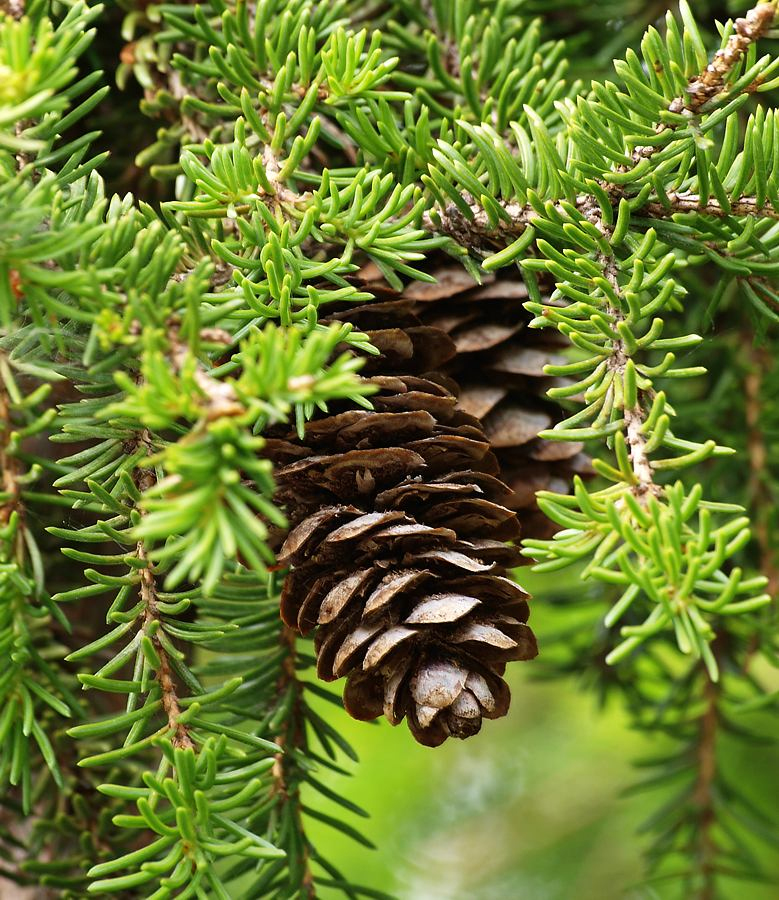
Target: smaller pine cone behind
column 399, row 558
column 497, row 363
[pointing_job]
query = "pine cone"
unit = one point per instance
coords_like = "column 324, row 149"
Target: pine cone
column 400, row 518
column 498, row 364
column 399, row 553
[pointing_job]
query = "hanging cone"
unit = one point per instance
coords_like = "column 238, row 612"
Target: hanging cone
column 398, row 552
column 402, row 516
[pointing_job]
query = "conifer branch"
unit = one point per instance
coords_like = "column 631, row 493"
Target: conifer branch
column 291, row 740
column 144, row 479
column 470, row 224
column 747, row 31
column 476, row 230
column 10, row 464
column 705, row 86
column 677, row 203
column 565, row 225
column 634, row 416
column 758, row 363
column 704, row 790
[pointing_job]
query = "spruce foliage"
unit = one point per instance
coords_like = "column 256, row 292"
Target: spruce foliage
column 161, row 732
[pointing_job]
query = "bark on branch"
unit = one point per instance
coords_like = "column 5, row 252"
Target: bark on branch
column 144, row 479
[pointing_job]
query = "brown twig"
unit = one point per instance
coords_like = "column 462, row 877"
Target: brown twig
column 682, row 202
column 757, row 454
column 14, row 8
column 633, row 416
column 712, row 80
column 164, row 675
column 758, row 487
column 197, row 133
column 703, row 791
column 144, row 479
column 220, row 396
column 291, row 737
column 476, row 231
column 10, row 464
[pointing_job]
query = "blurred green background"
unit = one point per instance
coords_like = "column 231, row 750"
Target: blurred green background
column 532, row 808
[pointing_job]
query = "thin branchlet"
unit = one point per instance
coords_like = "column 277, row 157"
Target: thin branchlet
column 704, row 791
column 170, row 702
column 479, row 234
column 10, row 464
column 747, row 31
column 220, row 397
column 291, row 740
column 144, row 479
column 712, row 80
column 14, row 8
column 634, row 416
column 758, row 363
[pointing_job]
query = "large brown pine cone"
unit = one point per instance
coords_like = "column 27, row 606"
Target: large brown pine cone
column 498, row 364
column 398, row 553
column 401, row 515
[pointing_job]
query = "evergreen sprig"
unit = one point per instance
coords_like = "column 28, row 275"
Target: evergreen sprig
column 298, row 141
